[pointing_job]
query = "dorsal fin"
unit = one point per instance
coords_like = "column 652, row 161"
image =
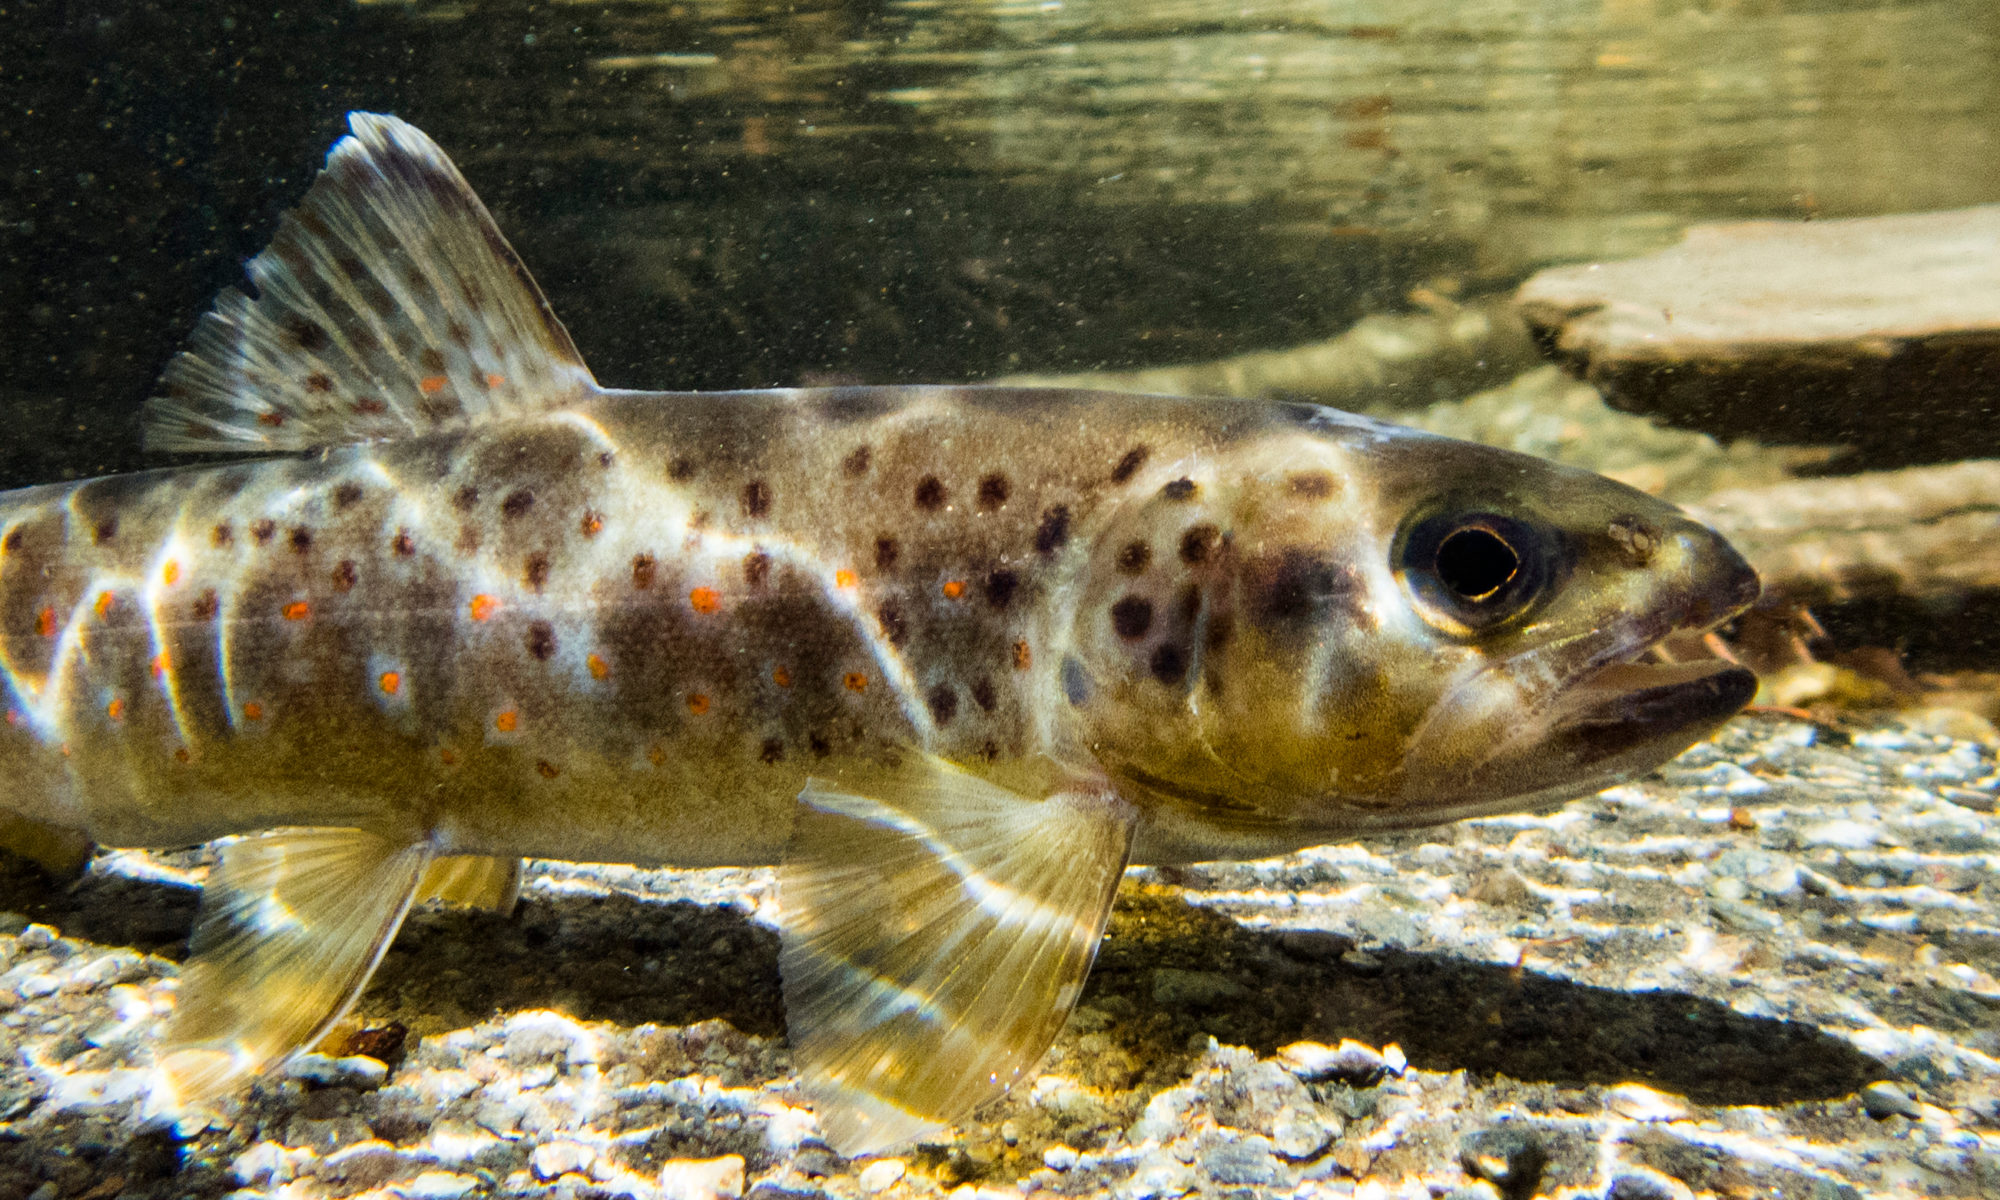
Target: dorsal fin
column 387, row 305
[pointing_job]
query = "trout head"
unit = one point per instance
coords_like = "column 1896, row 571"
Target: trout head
column 1342, row 626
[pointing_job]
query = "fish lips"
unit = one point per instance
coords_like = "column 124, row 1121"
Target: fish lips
column 1632, row 716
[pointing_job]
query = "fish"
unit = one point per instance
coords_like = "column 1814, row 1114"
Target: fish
column 948, row 657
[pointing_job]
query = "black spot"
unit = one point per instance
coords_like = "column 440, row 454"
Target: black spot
column 772, row 751
column 344, row 575
column 319, row 382
column 547, row 769
column 263, row 529
column 518, row 502
column 982, row 693
column 14, row 539
column 1312, row 485
column 1301, row 587
column 106, row 531
column 643, row 568
column 895, row 626
column 346, row 495
column 856, row 463
column 1220, row 627
column 403, row 546
column 222, row 535
column 1076, row 685
column 1132, row 617
column 756, row 569
column 989, row 750
column 307, row 335
column 930, row 494
column 1198, row 543
column 886, row 553
column 680, row 469
column 536, row 572
column 1130, row 464
column 431, row 360
column 206, row 605
column 943, row 702
column 460, row 336
column 1053, row 533
column 819, row 745
column 1179, row 489
column 993, row 491
column 604, row 459
column 541, row 641
column 1134, row 558
column 302, row 540
column 467, row 497
column 756, row 498
column 468, row 539
column 1169, row 664
column 1001, row 584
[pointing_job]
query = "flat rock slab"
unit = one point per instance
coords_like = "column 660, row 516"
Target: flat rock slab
column 1880, row 333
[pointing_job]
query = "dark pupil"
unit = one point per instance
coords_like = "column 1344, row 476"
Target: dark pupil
column 1475, row 563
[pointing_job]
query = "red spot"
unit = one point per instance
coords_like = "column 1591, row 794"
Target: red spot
column 954, row 588
column 370, row 408
column 1023, row 658
column 271, row 419
column 592, row 523
column 391, row 683
column 448, row 757
column 698, row 704
column 781, row 677
column 45, row 622
column 598, row 668
column 181, row 755
column 161, row 664
column 253, row 711
column 507, row 721
column 13, row 716
column 483, row 606
column 854, row 681
column 705, row 600
column 105, row 602
column 297, row 610
column 171, row 572
column 431, row 385
column 494, row 381
column 844, row 579
column 115, row 710
column 547, row 769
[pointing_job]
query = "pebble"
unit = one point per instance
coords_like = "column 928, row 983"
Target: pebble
column 1059, row 1157
column 1638, row 1102
column 357, row 1071
column 1350, row 1062
column 1248, row 1161
column 437, row 1185
column 1510, row 1157
column 1883, row 1100
column 702, row 1178
column 1301, row 1133
column 883, row 1173
column 551, row 1160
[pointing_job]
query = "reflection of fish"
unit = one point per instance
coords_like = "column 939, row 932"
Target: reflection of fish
column 951, row 656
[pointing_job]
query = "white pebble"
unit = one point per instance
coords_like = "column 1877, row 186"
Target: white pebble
column 551, row 1160
column 882, row 1174
column 437, row 1185
column 702, row 1178
column 1059, row 1157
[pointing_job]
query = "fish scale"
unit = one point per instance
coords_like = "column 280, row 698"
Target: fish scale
column 948, row 657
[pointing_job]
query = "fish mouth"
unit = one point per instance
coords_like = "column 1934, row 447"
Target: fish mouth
column 1624, row 709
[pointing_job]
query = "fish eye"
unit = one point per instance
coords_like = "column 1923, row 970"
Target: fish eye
column 1472, row 571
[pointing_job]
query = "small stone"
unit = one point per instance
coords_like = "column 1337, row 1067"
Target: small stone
column 1248, row 1161
column 702, row 1178
column 1361, row 963
column 1300, row 1133
column 1883, row 1100
column 1351, row 1062
column 36, row 937
column 1509, row 1157
column 357, row 1071
column 437, row 1185
column 1646, row 1185
column 1636, row 1102
column 551, row 1160
column 1059, row 1157
column 882, row 1174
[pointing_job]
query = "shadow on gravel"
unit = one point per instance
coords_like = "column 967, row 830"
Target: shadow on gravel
column 1168, row 973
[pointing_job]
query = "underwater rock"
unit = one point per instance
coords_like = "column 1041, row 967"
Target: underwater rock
column 1881, row 334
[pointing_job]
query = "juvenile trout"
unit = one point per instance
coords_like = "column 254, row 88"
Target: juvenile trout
column 949, row 656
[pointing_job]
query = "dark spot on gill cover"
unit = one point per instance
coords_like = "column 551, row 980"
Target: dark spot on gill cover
column 536, row 572
column 302, row 540
column 541, row 641
column 518, row 502
column 756, row 499
column 346, row 495
column 1132, row 617
column 1198, row 543
column 467, row 497
column 345, row 575
column 1179, row 489
column 1134, row 558
column 680, row 469
column 856, row 463
column 643, row 568
column 1301, row 587
column 982, row 693
column 886, row 553
column 106, row 531
column 1169, row 664
column 818, row 744
column 206, row 605
column 772, row 751
column 930, row 494
column 1053, row 533
column 993, row 491
column 1312, row 485
column 403, row 545
column 263, row 529
column 1130, row 464
column 895, row 626
column 222, row 535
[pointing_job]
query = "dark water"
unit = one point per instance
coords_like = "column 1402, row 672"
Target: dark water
column 729, row 194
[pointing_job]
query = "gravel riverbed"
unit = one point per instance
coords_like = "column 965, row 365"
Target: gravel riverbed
column 1771, row 969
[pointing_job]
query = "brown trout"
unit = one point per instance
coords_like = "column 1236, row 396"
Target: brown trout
column 950, row 657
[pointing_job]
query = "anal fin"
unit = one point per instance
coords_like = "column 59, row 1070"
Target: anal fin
column 936, row 933
column 472, row 881
column 291, row 925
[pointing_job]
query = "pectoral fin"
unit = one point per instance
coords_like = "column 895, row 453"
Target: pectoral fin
column 292, row 924
column 472, row 881
column 936, row 933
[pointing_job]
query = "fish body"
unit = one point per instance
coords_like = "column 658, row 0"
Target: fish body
column 948, row 656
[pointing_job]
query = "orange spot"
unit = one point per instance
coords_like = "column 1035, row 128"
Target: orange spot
column 115, row 710
column 781, row 677
column 271, row 419
column 844, row 579
column 45, row 622
column 483, row 606
column 656, row 754
column 253, row 711
column 494, row 381
column 592, row 524
column 548, row 769
column 855, row 681
column 598, row 668
column 698, row 704
column 105, row 602
column 391, row 682
column 297, row 610
column 66, row 751
column 507, row 721
column 171, row 572
column 162, row 664
column 13, row 716
column 448, row 757
column 182, row 755
column 954, row 588
column 1022, row 657
column 705, row 600
column 431, row 385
